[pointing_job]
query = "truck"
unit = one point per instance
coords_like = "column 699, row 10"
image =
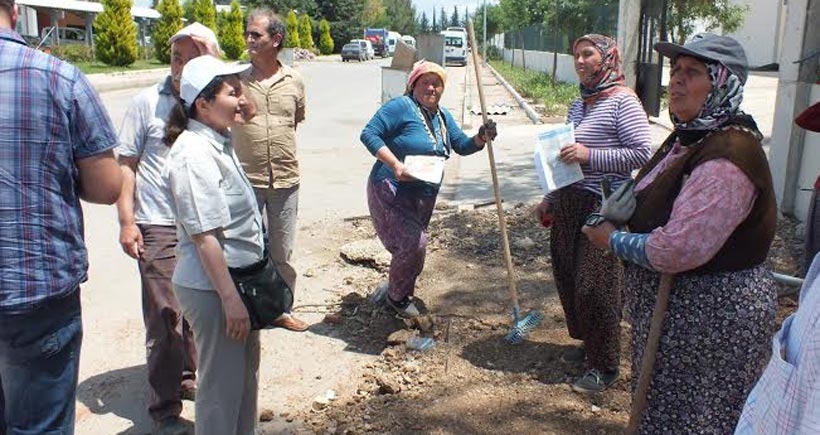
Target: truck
column 392, row 39
column 378, row 37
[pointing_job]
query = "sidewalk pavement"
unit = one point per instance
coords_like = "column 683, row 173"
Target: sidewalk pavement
column 106, row 82
column 468, row 180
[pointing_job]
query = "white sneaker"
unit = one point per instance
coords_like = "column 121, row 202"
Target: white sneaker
column 404, row 308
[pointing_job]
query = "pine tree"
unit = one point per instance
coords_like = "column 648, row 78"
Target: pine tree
column 325, row 41
column 231, row 37
column 292, row 24
column 205, row 13
column 442, row 22
column 116, row 34
column 169, row 23
column 305, row 33
column 188, row 7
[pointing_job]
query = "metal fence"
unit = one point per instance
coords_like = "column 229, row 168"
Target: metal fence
column 549, row 37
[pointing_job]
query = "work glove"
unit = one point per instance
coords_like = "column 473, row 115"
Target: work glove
column 616, row 207
column 487, row 131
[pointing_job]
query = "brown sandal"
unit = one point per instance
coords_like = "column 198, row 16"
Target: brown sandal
column 291, row 323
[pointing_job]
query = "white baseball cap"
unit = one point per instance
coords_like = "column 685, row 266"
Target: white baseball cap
column 199, row 72
column 197, row 32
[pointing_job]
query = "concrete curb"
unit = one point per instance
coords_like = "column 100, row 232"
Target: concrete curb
column 532, row 114
column 106, row 82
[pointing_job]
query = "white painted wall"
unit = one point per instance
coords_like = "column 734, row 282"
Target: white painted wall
column 761, row 33
column 542, row 61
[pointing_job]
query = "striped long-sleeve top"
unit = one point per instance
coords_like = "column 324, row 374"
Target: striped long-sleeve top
column 616, row 131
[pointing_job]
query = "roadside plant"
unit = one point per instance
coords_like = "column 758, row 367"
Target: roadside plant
column 116, row 42
column 305, row 33
column 292, row 24
column 231, row 38
column 205, row 13
column 169, row 23
column 325, row 40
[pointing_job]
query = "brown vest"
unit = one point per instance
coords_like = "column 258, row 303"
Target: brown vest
column 749, row 244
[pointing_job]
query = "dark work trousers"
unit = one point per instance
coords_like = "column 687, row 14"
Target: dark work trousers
column 169, row 341
column 401, row 219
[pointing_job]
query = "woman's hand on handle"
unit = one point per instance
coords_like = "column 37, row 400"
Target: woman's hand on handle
column 599, row 235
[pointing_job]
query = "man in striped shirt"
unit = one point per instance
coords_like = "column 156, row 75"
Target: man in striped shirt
column 55, row 149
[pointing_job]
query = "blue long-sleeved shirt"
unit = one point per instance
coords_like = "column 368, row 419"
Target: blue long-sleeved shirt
column 399, row 125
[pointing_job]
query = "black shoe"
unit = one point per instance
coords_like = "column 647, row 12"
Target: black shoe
column 404, row 308
column 594, row 381
column 171, row 426
column 576, row 355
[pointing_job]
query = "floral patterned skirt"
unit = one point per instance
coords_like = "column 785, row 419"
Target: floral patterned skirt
column 714, row 346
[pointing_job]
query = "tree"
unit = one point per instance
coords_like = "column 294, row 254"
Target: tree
column 205, row 13
column 305, row 33
column 308, row 7
column 442, row 22
column 455, row 21
column 373, row 13
column 424, row 23
column 231, row 31
column 325, row 41
column 344, row 17
column 116, row 34
column 188, row 6
column 401, row 15
column 169, row 23
column 292, row 24
column 685, row 14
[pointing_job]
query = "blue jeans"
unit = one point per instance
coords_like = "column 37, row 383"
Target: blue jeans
column 39, row 362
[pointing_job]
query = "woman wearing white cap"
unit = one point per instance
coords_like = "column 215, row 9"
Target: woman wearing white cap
column 219, row 226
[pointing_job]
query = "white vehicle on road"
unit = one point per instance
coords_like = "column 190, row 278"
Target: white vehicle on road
column 392, row 38
column 455, row 47
column 409, row 40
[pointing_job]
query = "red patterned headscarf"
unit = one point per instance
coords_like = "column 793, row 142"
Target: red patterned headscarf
column 609, row 78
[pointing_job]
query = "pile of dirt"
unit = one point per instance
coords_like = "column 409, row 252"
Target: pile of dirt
column 470, row 381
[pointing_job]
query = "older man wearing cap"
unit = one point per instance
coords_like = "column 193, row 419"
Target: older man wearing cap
column 786, row 399
column 706, row 215
column 148, row 232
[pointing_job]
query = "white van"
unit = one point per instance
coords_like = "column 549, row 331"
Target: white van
column 392, row 38
column 455, row 47
column 409, row 40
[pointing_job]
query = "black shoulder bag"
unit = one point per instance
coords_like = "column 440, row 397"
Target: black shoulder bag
column 265, row 294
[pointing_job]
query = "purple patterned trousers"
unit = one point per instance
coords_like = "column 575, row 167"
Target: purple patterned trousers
column 400, row 218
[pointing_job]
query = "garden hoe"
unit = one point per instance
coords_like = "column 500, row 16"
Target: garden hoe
column 522, row 326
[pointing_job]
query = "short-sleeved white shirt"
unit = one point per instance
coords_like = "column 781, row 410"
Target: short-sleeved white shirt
column 141, row 137
column 209, row 191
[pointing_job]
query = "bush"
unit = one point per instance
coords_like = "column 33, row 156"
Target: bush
column 325, row 41
column 116, row 33
column 292, row 24
column 73, row 53
column 168, row 24
column 305, row 33
column 231, row 37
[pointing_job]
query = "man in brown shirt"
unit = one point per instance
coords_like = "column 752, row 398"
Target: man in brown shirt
column 266, row 145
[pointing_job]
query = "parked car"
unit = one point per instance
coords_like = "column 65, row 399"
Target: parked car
column 68, row 35
column 367, row 46
column 353, row 50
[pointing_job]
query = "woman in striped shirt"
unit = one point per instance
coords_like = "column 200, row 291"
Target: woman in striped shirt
column 612, row 135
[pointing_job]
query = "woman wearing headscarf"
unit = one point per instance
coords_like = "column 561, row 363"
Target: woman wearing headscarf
column 706, row 214
column 401, row 205
column 612, row 135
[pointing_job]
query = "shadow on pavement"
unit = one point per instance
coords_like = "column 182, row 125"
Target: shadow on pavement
column 122, row 392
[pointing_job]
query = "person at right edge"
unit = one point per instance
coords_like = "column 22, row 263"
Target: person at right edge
column 786, row 399
column 704, row 212
column 612, row 135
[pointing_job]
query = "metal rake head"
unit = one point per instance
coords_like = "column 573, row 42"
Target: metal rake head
column 523, row 327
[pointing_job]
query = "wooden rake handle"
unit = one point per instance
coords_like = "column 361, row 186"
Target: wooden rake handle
column 649, row 353
column 502, row 222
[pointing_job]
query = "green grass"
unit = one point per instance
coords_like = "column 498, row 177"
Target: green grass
column 99, row 67
column 556, row 97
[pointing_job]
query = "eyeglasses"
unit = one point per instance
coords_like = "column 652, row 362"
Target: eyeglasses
column 254, row 35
